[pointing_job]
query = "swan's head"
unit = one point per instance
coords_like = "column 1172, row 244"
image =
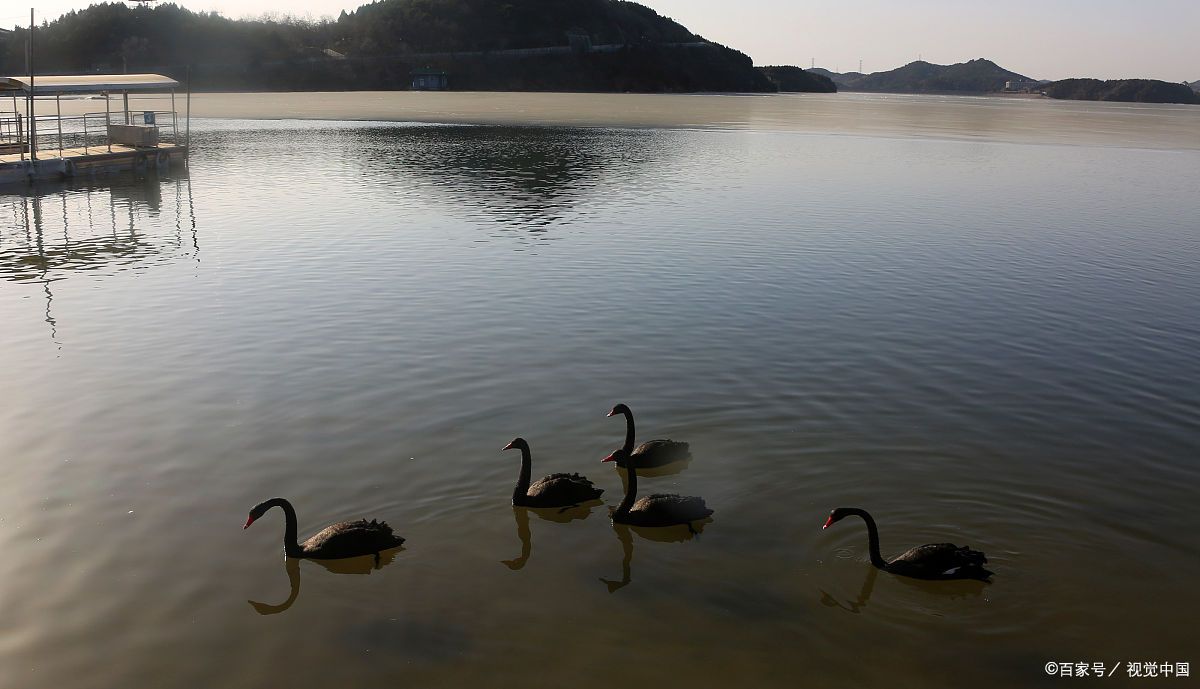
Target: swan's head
column 516, row 444
column 617, row 456
column 620, row 409
column 257, row 511
column 836, row 516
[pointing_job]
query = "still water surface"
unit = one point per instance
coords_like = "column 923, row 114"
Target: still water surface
column 980, row 341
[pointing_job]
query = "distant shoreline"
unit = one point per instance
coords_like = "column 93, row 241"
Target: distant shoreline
column 975, row 94
column 975, row 118
column 969, row 118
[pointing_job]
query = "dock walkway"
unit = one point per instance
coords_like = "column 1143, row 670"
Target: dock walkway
column 72, row 162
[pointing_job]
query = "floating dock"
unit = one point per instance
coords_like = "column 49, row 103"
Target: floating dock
column 54, row 147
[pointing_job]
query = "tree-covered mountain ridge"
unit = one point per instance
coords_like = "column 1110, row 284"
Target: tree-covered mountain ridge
column 568, row 45
column 975, row 76
column 1122, row 90
column 984, row 76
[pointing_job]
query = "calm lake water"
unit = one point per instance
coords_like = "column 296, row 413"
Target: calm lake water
column 977, row 339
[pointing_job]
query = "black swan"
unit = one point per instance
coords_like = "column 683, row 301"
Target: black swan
column 652, row 453
column 933, row 561
column 555, row 490
column 344, row 539
column 659, row 509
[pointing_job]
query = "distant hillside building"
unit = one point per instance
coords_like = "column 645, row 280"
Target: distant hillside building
column 1022, row 85
column 580, row 41
column 429, row 80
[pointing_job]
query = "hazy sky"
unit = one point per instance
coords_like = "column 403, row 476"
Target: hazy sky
column 1045, row 39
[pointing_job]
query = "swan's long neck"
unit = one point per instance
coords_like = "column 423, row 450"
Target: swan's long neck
column 628, row 431
column 290, row 547
column 522, row 488
column 872, row 537
column 630, row 488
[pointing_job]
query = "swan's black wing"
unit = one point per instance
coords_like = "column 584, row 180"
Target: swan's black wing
column 655, row 453
column 671, row 508
column 560, row 490
column 940, row 561
column 573, row 478
column 351, row 539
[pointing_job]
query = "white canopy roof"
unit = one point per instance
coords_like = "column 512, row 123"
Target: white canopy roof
column 88, row 83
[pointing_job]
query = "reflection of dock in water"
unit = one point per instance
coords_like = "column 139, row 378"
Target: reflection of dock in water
column 62, row 230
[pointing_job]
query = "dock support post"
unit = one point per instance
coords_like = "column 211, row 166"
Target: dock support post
column 107, row 122
column 20, row 129
column 58, row 112
column 187, row 118
column 32, row 102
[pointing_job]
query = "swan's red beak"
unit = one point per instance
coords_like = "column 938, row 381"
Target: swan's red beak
column 610, row 458
column 611, row 412
column 828, row 522
column 249, row 521
column 507, row 447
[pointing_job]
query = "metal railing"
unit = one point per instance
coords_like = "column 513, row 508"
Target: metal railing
column 12, row 136
column 88, row 131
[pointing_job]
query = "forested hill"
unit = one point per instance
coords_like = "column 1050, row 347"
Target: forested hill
column 571, row 45
column 1124, row 90
column 469, row 25
column 976, row 76
column 793, row 79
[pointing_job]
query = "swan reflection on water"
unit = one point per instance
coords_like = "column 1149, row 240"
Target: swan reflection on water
column 856, row 606
column 292, row 567
column 662, row 534
column 562, row 515
column 350, row 565
column 952, row 588
column 652, row 472
column 945, row 588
